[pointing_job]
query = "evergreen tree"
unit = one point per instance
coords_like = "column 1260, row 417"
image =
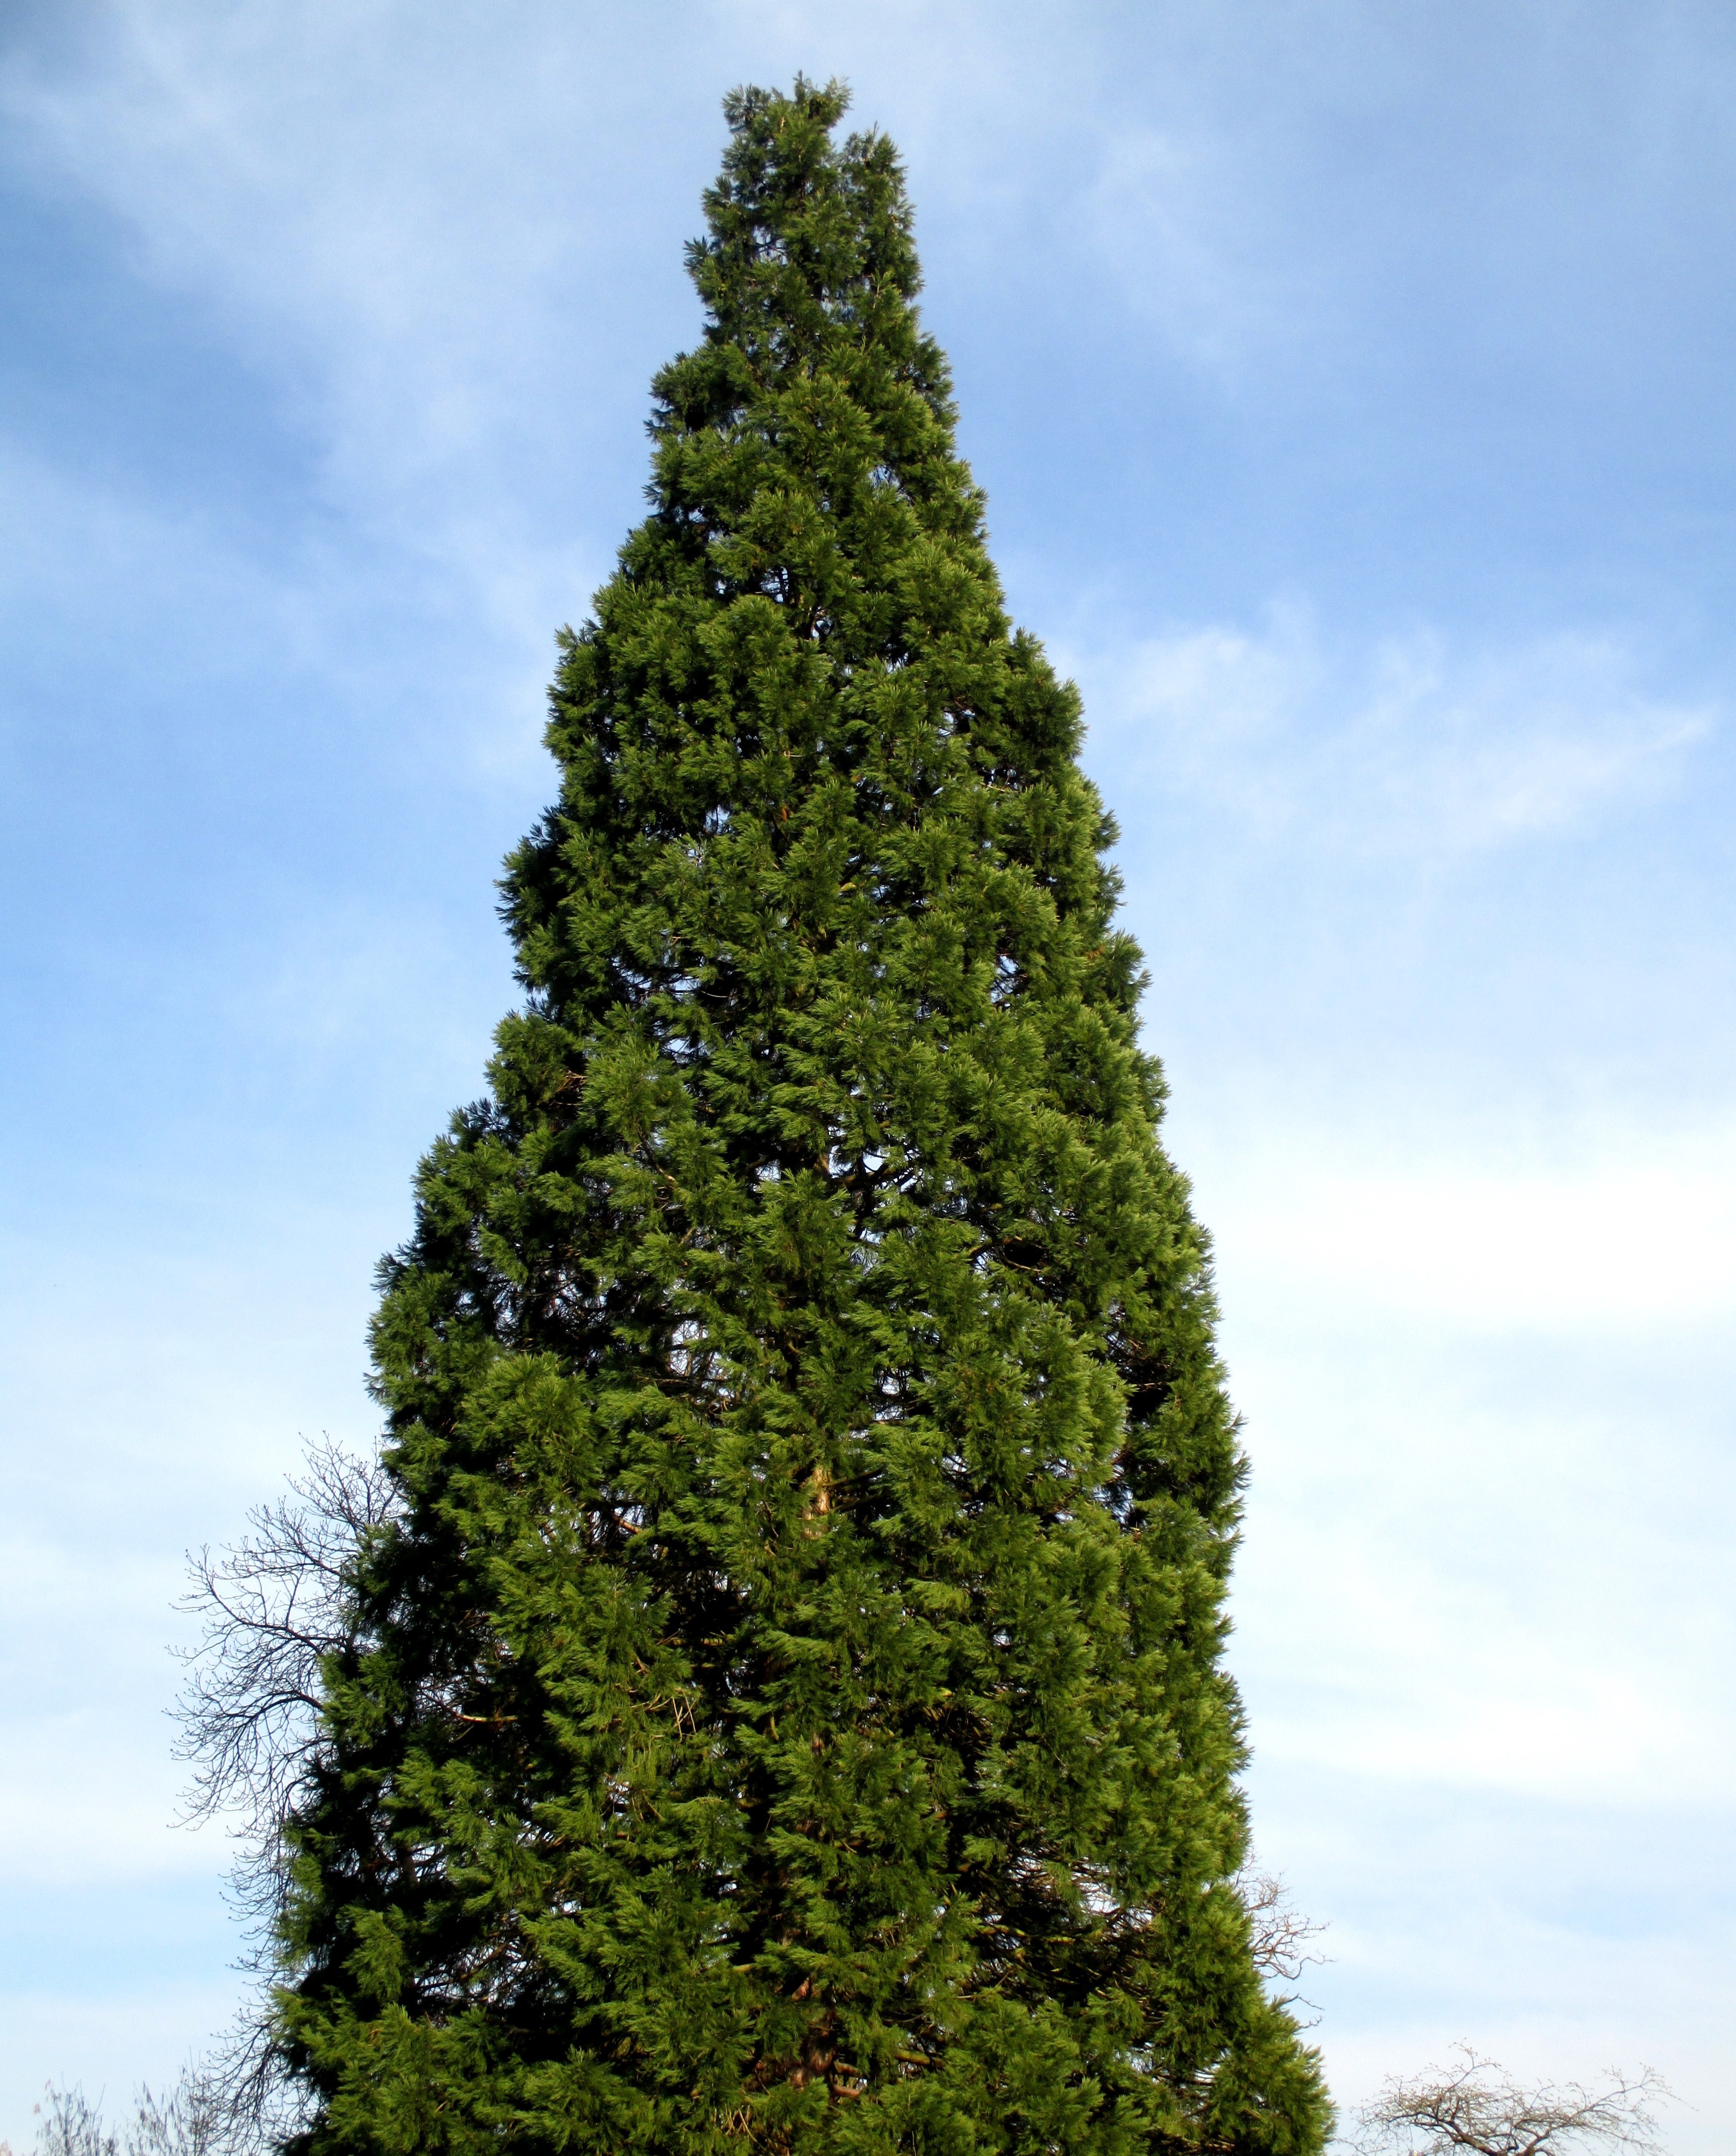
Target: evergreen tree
column 784, row 1709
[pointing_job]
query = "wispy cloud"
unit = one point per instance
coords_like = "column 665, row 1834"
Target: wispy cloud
column 1409, row 746
column 402, row 231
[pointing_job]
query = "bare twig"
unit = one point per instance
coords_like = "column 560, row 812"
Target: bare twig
column 1280, row 1934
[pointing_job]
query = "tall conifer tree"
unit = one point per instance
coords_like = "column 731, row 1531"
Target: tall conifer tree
column 785, row 1710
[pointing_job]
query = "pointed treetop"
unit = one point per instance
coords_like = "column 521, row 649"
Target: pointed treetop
column 809, row 265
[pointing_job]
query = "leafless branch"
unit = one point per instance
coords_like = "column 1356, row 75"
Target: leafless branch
column 1279, row 1933
column 1476, row 2105
column 274, row 1608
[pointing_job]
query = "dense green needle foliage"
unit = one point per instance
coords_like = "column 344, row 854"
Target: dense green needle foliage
column 785, row 1710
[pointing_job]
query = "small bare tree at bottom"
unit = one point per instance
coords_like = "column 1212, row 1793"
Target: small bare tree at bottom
column 1476, row 2105
column 188, row 2120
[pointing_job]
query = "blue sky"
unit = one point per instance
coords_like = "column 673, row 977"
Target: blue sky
column 1350, row 383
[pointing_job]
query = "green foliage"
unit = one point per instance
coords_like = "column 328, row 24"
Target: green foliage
column 785, row 1711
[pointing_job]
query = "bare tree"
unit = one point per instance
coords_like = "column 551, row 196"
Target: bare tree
column 190, row 2121
column 273, row 1609
column 196, row 2119
column 73, row 2126
column 1476, row 2105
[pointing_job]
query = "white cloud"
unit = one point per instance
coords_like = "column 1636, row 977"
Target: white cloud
column 414, row 273
column 1410, row 746
column 1482, row 1368
column 1615, row 1231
